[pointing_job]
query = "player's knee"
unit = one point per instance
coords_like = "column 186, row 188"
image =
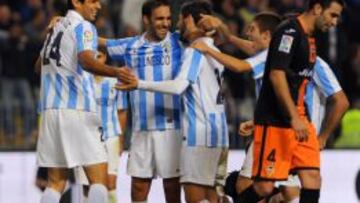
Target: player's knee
column 111, row 183
column 311, row 179
column 139, row 190
column 290, row 193
column 57, row 185
column 264, row 188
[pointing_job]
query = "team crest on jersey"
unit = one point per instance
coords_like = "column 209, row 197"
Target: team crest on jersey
column 88, row 36
column 270, row 169
column 286, row 43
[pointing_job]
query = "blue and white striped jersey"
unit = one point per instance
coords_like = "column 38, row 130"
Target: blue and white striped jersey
column 204, row 121
column 152, row 62
column 109, row 101
column 257, row 64
column 322, row 85
column 64, row 83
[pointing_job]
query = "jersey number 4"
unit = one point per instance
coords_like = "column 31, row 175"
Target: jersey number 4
column 54, row 52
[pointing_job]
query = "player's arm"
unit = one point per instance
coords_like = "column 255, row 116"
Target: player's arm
column 336, row 106
column 189, row 71
column 89, row 63
column 230, row 62
column 336, row 100
column 38, row 65
column 281, row 53
column 209, row 22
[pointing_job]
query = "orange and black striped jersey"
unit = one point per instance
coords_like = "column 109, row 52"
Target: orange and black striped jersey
column 294, row 52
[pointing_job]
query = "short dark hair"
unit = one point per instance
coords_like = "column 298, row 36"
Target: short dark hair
column 195, row 8
column 151, row 5
column 267, row 21
column 70, row 4
column 324, row 3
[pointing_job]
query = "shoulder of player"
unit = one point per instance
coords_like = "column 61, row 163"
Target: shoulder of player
column 288, row 27
column 321, row 67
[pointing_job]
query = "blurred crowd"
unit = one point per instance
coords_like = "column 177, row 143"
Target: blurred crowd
column 22, row 32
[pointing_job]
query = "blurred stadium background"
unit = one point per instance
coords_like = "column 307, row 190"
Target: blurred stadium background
column 22, row 31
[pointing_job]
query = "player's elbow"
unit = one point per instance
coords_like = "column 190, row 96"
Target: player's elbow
column 85, row 61
column 341, row 101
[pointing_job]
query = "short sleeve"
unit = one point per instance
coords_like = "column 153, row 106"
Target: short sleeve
column 122, row 102
column 325, row 78
column 191, row 65
column 86, row 37
column 257, row 64
column 282, row 47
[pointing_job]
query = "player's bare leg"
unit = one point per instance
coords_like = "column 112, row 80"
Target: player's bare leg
column 172, row 189
column 97, row 176
column 212, row 195
column 288, row 194
column 111, row 184
column 194, row 193
column 140, row 188
column 242, row 183
column 57, row 178
column 311, row 183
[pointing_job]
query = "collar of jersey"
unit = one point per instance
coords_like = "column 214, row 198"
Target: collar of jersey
column 74, row 14
column 207, row 40
column 145, row 42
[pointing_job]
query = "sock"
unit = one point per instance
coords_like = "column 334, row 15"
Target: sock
column 98, row 194
column 50, row 196
column 309, row 195
column 296, row 200
column 112, row 196
column 249, row 196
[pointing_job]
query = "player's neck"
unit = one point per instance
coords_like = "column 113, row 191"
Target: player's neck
column 307, row 21
column 192, row 36
column 151, row 37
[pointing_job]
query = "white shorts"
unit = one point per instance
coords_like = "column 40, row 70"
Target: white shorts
column 154, row 153
column 69, row 138
column 113, row 149
column 203, row 165
column 246, row 170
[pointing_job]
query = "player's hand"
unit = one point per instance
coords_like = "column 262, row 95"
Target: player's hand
column 209, row 22
column 128, row 80
column 301, row 130
column 246, row 128
column 201, row 46
column 53, row 22
column 322, row 141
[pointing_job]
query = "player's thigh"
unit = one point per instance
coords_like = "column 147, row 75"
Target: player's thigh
column 167, row 149
column 96, row 173
column 194, row 193
column 273, row 151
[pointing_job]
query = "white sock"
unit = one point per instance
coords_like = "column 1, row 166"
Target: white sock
column 50, row 196
column 98, row 194
column 112, row 196
column 296, row 200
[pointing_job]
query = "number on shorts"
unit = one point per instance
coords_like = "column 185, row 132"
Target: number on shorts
column 271, row 156
column 54, row 49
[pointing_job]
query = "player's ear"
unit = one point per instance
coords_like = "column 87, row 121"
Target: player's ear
column 146, row 20
column 76, row 3
column 318, row 9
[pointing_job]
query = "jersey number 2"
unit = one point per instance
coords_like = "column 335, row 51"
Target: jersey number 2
column 54, row 52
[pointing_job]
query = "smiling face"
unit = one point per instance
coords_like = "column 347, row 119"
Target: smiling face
column 88, row 9
column 329, row 17
column 159, row 23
